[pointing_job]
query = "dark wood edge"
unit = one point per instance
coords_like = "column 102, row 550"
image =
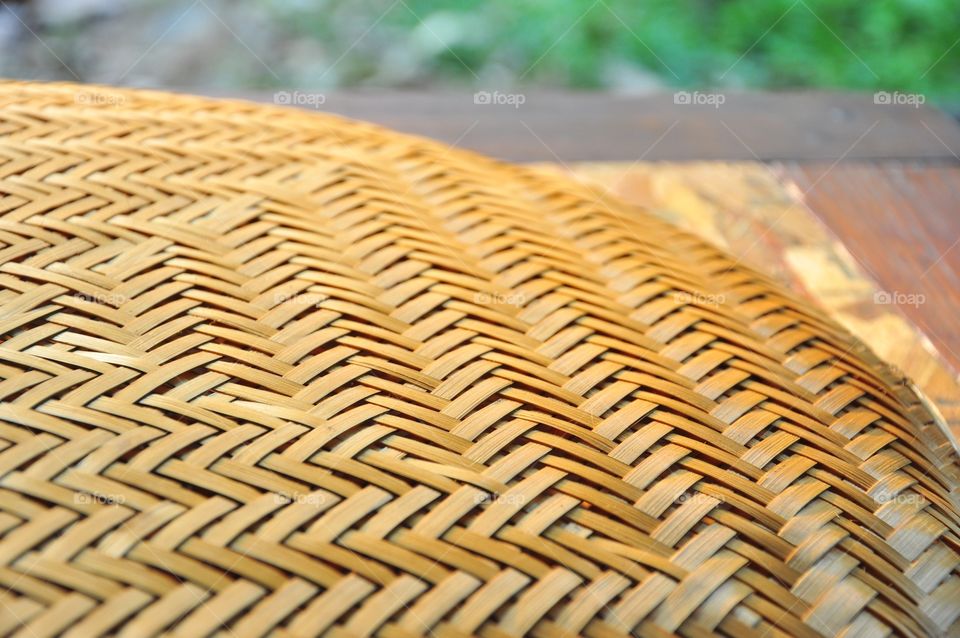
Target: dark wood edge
column 567, row 127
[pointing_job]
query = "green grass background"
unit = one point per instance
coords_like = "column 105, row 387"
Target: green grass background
column 906, row 45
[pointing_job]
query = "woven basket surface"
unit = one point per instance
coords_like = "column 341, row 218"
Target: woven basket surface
column 267, row 372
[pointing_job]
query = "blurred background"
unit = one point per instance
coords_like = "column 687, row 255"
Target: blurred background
column 626, row 46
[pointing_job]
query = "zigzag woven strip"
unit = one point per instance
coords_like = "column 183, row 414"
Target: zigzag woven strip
column 266, row 372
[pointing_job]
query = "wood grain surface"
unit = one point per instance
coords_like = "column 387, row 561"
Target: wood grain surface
column 901, row 222
column 568, row 126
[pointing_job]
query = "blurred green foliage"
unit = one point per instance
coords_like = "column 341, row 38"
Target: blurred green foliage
column 906, row 45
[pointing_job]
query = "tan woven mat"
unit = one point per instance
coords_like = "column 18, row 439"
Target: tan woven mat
column 271, row 373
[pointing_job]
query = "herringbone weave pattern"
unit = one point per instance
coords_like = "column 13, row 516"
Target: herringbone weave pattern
column 266, row 372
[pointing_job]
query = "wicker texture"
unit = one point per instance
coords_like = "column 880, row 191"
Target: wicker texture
column 267, row 371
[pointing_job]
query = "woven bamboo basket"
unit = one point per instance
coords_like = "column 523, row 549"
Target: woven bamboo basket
column 266, row 372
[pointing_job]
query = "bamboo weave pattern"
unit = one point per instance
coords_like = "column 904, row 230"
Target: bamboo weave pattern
column 268, row 372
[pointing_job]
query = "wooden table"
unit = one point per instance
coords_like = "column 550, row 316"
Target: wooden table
column 883, row 179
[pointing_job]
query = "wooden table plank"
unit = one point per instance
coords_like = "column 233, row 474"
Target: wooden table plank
column 902, row 224
column 566, row 126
